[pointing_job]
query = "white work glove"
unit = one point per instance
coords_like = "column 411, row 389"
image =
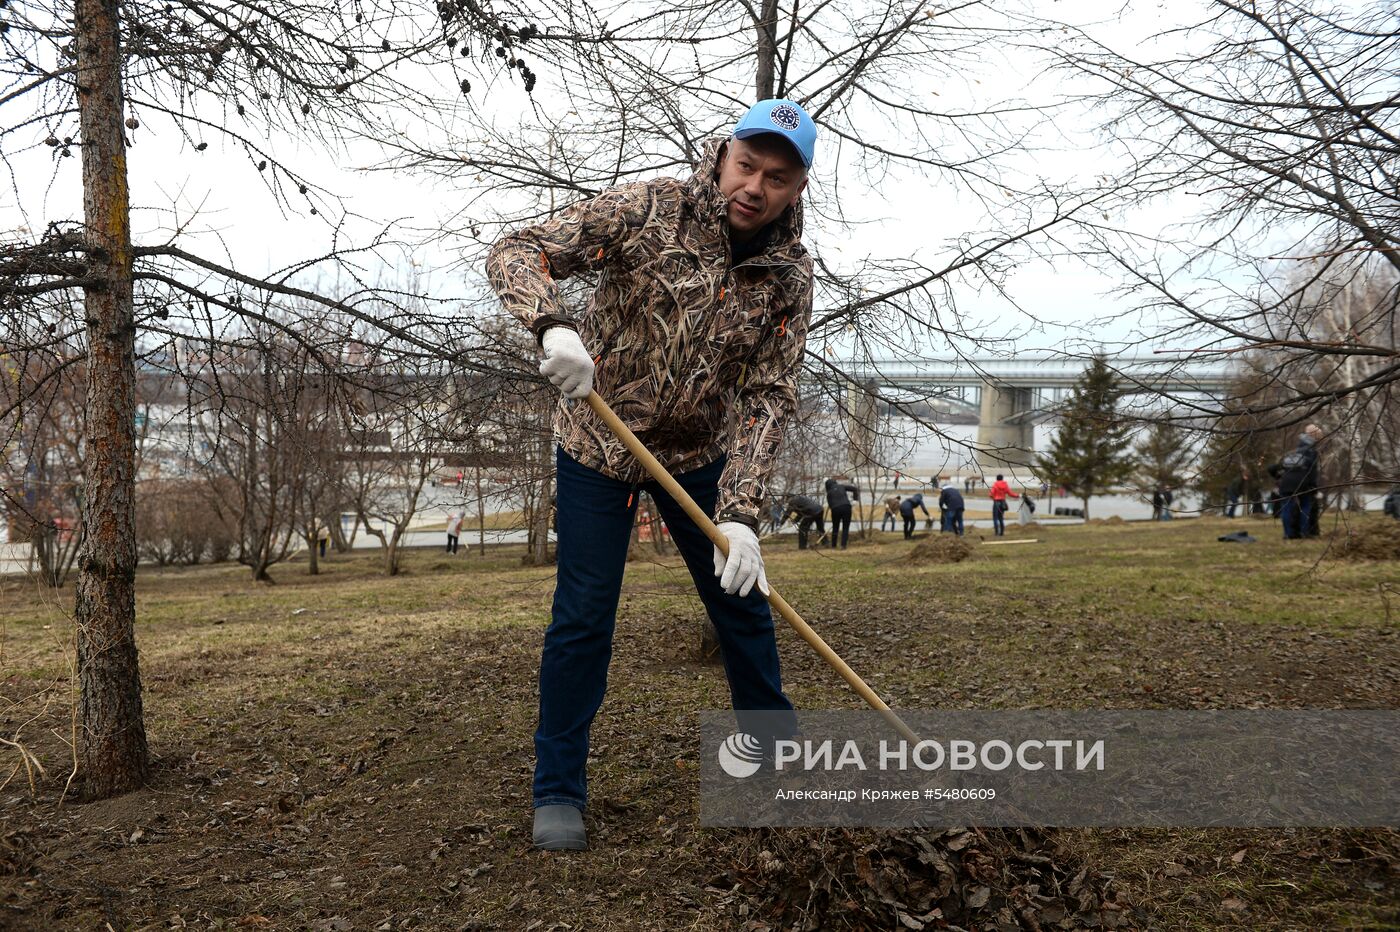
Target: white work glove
column 566, row 363
column 744, row 566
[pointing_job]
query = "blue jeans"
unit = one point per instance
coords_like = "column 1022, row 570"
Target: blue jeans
column 955, row 521
column 998, row 517
column 1296, row 513
column 595, row 516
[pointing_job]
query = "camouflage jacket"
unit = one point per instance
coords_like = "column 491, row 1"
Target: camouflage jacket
column 698, row 358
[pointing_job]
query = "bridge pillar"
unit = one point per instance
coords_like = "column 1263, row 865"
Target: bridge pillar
column 1002, row 445
column 862, row 423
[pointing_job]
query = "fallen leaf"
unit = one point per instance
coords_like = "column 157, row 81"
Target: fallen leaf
column 908, row 921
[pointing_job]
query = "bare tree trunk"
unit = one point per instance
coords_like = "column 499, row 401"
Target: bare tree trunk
column 338, row 539
column 658, row 539
column 391, row 555
column 262, row 554
column 55, row 555
column 539, row 531
column 313, row 564
column 540, row 555
column 114, row 756
column 766, row 69
column 378, row 535
column 480, row 516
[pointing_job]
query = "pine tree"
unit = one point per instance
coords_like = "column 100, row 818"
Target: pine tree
column 1163, row 454
column 1242, row 444
column 1238, row 452
column 1088, row 453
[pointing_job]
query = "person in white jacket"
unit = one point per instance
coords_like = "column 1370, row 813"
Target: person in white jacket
column 454, row 527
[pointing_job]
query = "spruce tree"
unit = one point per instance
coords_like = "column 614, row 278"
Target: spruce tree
column 1088, row 454
column 1164, row 453
column 1242, row 444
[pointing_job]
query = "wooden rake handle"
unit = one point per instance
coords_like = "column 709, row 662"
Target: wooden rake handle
column 662, row 476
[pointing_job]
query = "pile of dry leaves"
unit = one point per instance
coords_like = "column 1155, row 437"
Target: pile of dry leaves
column 938, row 879
column 940, row 548
column 1377, row 541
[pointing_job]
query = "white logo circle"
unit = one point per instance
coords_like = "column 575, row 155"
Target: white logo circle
column 740, row 755
column 785, row 116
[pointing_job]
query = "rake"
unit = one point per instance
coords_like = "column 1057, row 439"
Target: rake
column 804, row 630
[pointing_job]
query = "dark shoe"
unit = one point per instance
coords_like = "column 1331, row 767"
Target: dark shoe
column 560, row 828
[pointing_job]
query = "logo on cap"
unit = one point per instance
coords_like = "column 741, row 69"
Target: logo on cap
column 785, row 117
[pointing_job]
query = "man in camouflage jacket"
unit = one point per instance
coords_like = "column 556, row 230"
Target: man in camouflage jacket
column 694, row 333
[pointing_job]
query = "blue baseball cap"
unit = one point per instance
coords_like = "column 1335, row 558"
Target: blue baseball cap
column 781, row 118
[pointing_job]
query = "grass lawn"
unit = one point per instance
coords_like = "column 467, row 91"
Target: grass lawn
column 350, row 751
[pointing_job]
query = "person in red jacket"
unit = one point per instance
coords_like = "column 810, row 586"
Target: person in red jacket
column 1000, row 491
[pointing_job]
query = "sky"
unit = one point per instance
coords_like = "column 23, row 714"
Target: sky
column 219, row 199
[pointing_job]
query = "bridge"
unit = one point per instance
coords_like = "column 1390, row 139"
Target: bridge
column 1010, row 395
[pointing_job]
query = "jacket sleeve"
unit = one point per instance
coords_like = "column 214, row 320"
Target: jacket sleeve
column 524, row 266
column 767, row 399
column 1313, row 479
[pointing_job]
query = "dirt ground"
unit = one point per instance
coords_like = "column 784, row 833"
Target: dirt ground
column 350, row 751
